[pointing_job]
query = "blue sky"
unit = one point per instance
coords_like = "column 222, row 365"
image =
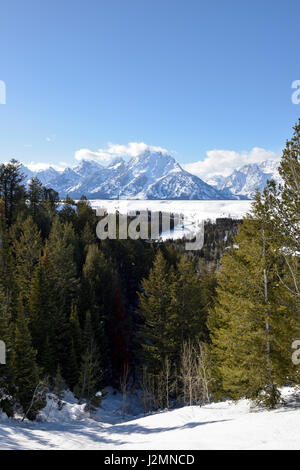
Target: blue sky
column 190, row 76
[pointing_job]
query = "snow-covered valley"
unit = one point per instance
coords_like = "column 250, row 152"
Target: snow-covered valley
column 223, row 425
column 201, row 209
column 193, row 212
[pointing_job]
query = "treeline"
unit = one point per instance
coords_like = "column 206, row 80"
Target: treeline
column 180, row 327
column 70, row 313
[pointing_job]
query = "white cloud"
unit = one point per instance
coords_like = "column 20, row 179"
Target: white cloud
column 39, row 166
column 216, row 162
column 223, row 162
column 105, row 156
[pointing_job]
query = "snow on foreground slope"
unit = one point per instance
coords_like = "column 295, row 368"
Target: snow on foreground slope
column 221, row 425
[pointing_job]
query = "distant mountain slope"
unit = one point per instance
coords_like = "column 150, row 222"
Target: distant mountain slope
column 152, row 175
column 245, row 180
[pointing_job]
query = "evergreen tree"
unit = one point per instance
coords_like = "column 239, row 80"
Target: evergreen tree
column 88, row 236
column 7, row 275
column 35, row 196
column 85, row 216
column 76, row 332
column 39, row 207
column 119, row 332
column 27, row 249
column 90, row 373
column 68, row 212
column 283, row 211
column 60, row 249
column 12, row 192
column 43, row 313
column 96, row 298
column 249, row 321
column 25, row 367
column 7, row 376
column 156, row 336
column 187, row 304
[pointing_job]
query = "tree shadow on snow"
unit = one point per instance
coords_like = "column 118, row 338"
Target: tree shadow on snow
column 13, row 437
column 138, row 429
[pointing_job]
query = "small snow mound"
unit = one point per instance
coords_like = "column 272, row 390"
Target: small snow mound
column 66, row 411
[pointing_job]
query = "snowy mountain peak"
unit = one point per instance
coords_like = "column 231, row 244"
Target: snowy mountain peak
column 245, row 180
column 151, row 175
column 116, row 163
column 86, row 167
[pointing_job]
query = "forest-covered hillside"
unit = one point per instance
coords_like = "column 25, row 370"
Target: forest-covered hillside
column 182, row 327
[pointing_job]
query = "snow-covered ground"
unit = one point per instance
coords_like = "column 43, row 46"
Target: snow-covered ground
column 223, row 425
column 203, row 209
column 193, row 211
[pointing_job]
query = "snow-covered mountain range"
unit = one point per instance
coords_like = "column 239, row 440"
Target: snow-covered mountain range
column 152, row 175
column 245, row 180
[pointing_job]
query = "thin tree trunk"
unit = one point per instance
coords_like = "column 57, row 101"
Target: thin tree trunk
column 268, row 346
